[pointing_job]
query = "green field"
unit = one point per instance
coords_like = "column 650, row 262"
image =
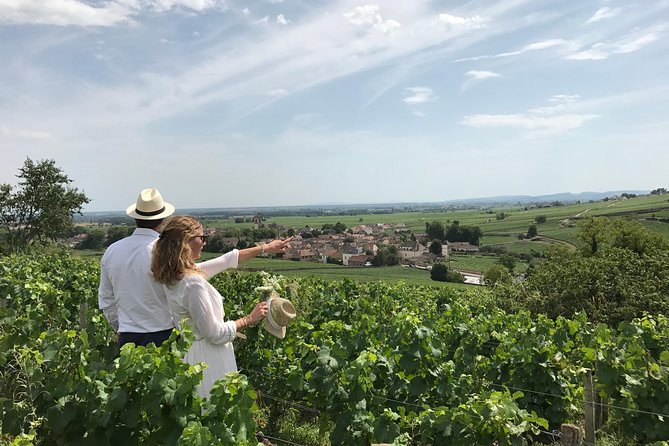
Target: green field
column 392, row 274
column 560, row 226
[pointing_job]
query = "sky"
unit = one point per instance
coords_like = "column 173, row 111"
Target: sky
column 301, row 102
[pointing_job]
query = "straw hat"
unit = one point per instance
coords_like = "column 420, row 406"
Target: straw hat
column 150, row 206
column 281, row 312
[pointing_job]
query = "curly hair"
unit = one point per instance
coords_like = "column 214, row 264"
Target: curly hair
column 172, row 255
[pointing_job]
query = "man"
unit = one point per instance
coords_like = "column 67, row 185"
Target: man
column 135, row 305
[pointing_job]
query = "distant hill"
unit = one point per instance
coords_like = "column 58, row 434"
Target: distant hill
column 565, row 197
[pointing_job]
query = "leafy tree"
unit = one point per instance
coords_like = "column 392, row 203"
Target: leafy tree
column 457, row 233
column 601, row 233
column 540, row 219
column 339, row 228
column 455, row 277
column 386, row 256
column 116, row 233
column 500, row 216
column 434, row 230
column 497, row 274
column 94, row 240
column 532, row 231
column 436, row 247
column 439, row 272
column 40, row 207
column 508, row 261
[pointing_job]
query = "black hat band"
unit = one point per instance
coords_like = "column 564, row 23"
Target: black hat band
column 150, row 214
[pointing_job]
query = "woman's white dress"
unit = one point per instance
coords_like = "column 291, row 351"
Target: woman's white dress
column 193, row 298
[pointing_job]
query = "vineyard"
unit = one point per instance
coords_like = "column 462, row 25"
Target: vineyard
column 367, row 362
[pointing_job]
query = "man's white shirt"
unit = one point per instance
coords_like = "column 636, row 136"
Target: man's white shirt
column 128, row 295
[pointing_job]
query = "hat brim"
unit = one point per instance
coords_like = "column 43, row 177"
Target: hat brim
column 278, row 332
column 132, row 212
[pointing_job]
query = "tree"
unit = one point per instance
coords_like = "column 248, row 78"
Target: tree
column 540, row 219
column 497, row 274
column 434, row 230
column 508, row 261
column 116, row 233
column 41, row 207
column 532, row 231
column 436, row 248
column 94, row 240
column 439, row 272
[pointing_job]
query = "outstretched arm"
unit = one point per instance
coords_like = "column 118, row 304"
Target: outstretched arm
column 273, row 247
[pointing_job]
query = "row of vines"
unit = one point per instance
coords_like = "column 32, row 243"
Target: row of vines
column 376, row 362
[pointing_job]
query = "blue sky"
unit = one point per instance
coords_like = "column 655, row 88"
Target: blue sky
column 285, row 102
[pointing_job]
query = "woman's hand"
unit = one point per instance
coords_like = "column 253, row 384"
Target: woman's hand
column 277, row 246
column 258, row 313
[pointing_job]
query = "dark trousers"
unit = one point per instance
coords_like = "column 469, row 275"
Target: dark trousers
column 157, row 337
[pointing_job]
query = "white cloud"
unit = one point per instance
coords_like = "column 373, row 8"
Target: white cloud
column 7, row 133
column 451, row 21
column 281, row 20
column 246, row 11
column 277, row 92
column 64, row 13
column 564, row 98
column 369, row 16
column 530, row 47
column 478, row 74
column 604, row 13
column 628, row 44
column 263, row 21
column 637, row 43
column 418, row 95
column 597, row 52
column 195, row 5
column 542, row 121
column 79, row 13
column 474, row 76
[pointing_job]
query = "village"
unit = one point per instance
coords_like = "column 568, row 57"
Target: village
column 361, row 246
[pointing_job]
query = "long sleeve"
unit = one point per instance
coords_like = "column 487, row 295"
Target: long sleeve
column 203, row 315
column 220, row 264
column 106, row 299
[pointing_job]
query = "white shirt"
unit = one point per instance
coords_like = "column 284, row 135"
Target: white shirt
column 128, row 296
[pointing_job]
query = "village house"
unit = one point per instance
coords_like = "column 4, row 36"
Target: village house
column 462, row 247
column 411, row 250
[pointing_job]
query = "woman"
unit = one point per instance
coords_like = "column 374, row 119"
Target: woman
column 191, row 296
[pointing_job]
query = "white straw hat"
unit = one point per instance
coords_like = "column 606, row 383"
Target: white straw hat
column 150, row 206
column 280, row 313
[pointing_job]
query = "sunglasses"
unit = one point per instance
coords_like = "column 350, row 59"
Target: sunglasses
column 203, row 238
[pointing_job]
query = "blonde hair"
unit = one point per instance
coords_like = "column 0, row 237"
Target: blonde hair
column 172, row 256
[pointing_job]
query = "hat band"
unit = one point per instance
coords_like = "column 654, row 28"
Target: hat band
column 150, row 214
column 270, row 319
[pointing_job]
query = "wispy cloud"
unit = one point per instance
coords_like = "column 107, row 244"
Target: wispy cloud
column 418, row 95
column 78, row 13
column 281, row 20
column 474, row 76
column 7, row 133
column 541, row 121
column 451, row 21
column 630, row 43
column 530, row 47
column 604, row 13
